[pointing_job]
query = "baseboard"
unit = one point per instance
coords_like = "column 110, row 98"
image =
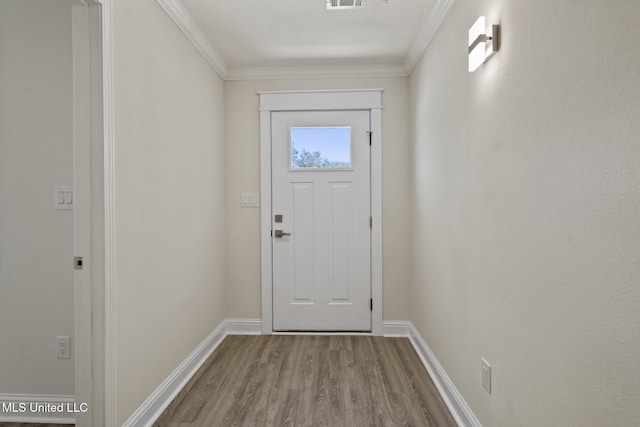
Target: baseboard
column 37, row 409
column 244, row 326
column 390, row 328
column 459, row 409
column 396, row 328
column 160, row 399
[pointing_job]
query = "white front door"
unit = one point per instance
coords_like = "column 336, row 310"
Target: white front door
column 321, row 221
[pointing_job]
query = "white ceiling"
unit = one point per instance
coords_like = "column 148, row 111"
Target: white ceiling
column 242, row 36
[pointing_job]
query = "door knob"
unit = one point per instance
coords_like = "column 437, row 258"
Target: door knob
column 279, row 234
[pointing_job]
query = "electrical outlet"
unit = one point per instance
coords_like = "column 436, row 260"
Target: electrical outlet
column 486, row 375
column 63, row 347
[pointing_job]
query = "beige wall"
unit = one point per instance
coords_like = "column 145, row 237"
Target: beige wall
column 243, row 175
column 169, row 207
column 36, row 241
column 526, row 213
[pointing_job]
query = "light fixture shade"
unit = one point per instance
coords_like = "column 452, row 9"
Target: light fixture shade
column 476, row 56
column 477, row 40
column 478, row 29
column 483, row 43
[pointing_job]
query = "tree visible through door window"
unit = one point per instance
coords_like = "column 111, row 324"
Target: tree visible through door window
column 320, row 148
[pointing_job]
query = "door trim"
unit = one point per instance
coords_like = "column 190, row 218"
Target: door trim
column 324, row 100
column 82, row 219
column 92, row 40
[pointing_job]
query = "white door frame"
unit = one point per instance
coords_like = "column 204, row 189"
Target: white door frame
column 93, row 218
column 82, row 220
column 369, row 99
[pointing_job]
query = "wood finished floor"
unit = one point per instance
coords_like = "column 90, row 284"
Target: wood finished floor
column 309, row 381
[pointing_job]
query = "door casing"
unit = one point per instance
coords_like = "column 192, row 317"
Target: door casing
column 94, row 172
column 367, row 99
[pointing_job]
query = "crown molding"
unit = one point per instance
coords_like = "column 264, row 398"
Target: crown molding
column 426, row 33
column 185, row 22
column 187, row 25
column 315, row 72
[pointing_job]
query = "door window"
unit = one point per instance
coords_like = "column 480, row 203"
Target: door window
column 320, row 148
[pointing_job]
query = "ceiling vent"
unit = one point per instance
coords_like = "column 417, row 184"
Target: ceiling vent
column 345, row 4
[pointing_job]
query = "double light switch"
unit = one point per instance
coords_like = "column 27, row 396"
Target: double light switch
column 62, row 197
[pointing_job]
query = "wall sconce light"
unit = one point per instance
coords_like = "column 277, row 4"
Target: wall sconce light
column 484, row 42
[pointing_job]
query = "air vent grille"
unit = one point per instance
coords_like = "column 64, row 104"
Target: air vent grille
column 344, row 4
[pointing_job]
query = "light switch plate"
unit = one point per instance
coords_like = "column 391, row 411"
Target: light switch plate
column 62, row 198
column 250, row 200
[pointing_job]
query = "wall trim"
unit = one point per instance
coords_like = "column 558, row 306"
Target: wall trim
column 162, row 397
column 87, row 152
column 390, row 328
column 458, row 407
column 429, row 28
column 396, row 328
column 243, row 326
column 106, row 398
column 38, row 417
column 319, row 72
column 187, row 25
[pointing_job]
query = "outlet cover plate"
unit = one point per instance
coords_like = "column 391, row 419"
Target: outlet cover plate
column 63, row 347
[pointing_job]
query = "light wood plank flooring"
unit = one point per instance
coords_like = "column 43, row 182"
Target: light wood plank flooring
column 309, row 381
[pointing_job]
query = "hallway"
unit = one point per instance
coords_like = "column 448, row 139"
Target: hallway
column 505, row 241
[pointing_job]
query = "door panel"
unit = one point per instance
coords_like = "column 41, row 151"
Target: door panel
column 341, row 243
column 302, row 247
column 321, row 187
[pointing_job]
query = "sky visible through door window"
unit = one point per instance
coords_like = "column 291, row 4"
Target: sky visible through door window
column 320, row 147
